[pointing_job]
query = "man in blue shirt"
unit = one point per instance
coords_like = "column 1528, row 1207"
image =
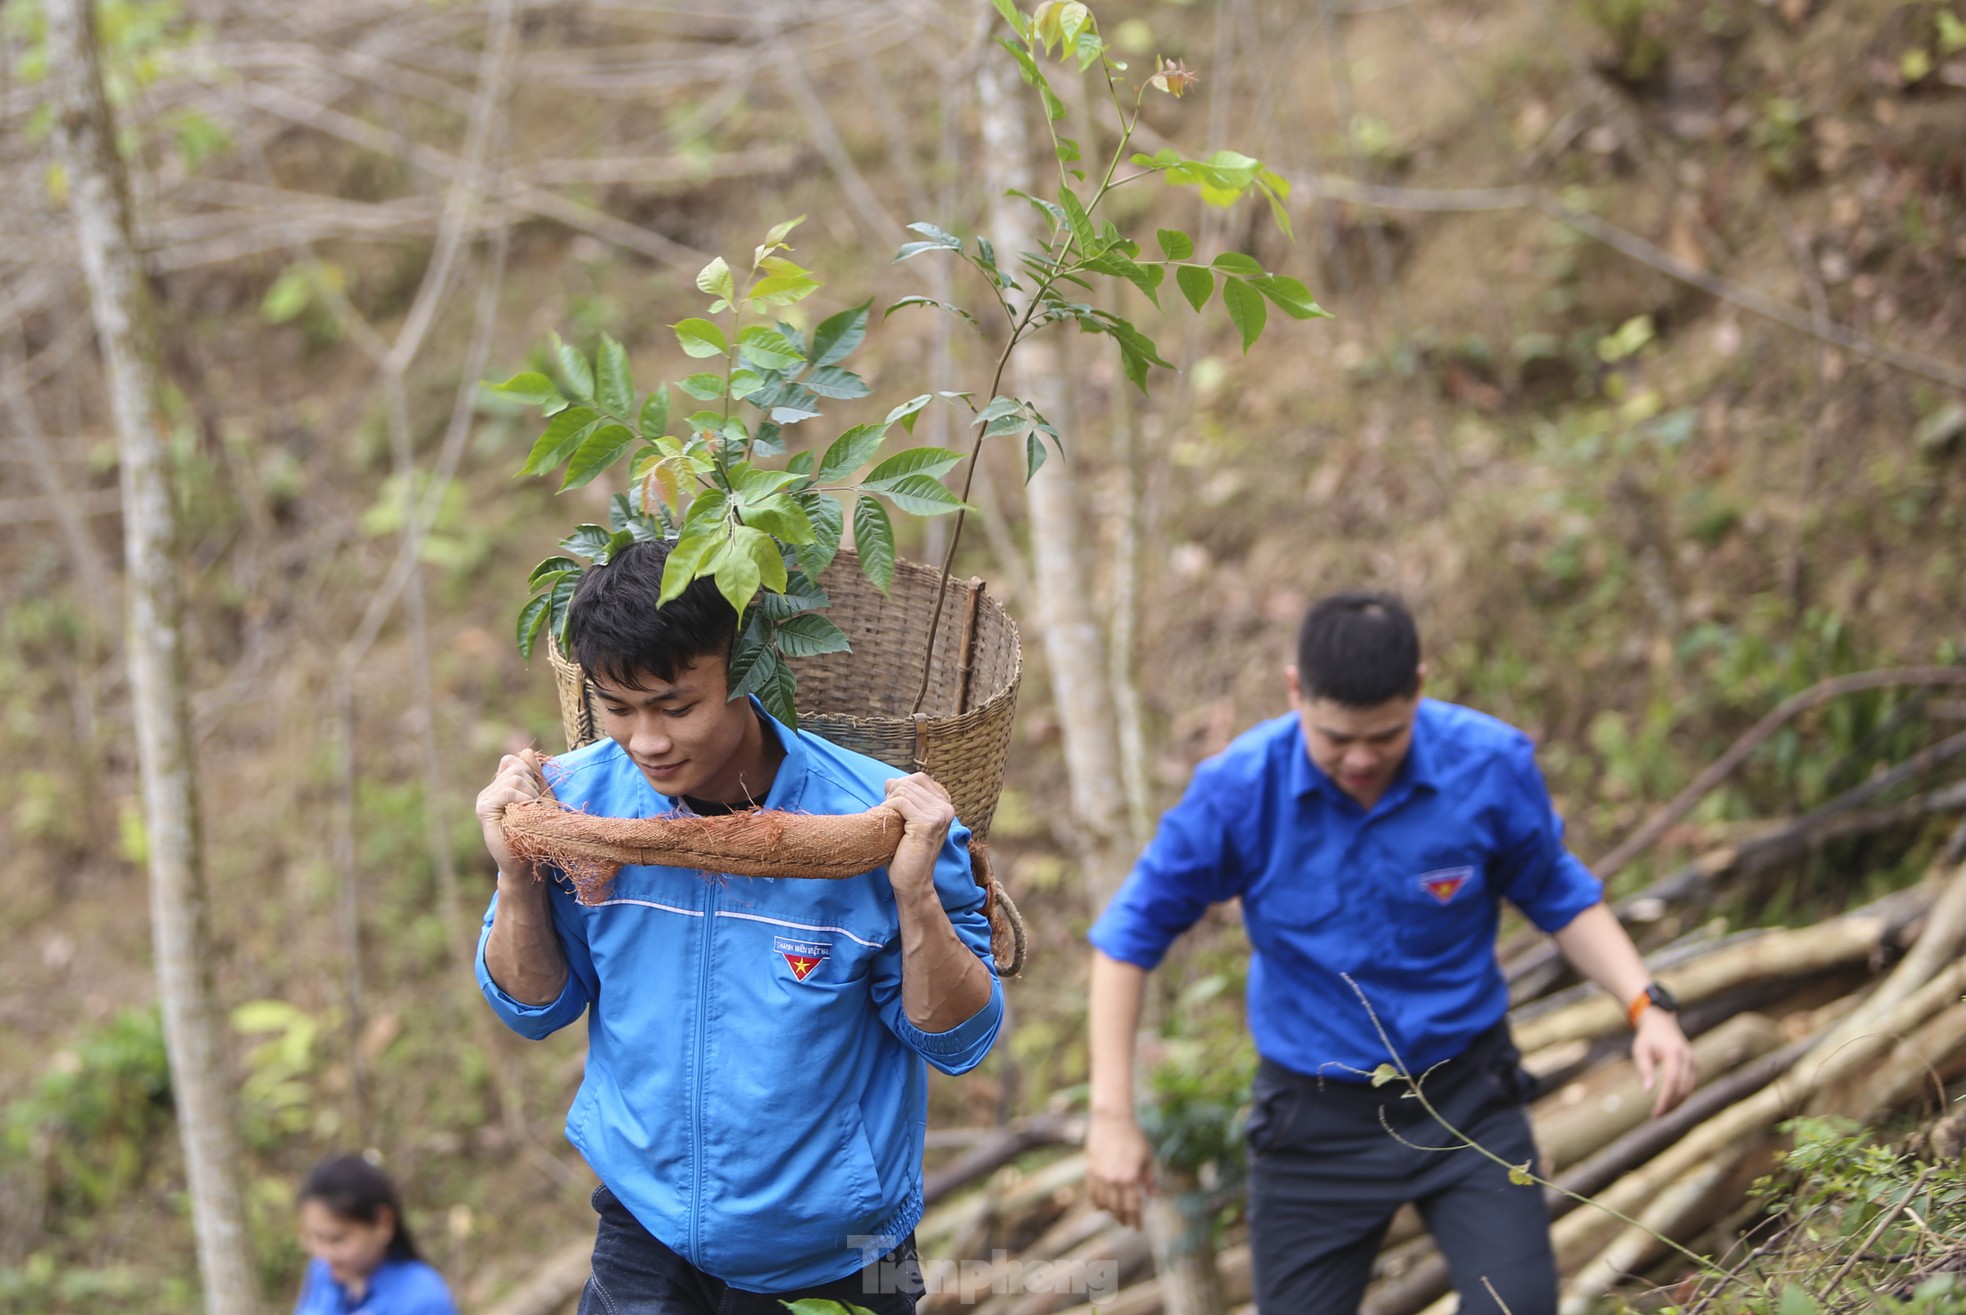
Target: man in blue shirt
column 1371, row 835
column 755, row 1093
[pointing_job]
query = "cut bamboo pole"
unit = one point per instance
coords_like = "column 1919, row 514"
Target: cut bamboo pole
column 1803, row 952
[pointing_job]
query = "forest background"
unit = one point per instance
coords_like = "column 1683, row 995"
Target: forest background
column 1643, row 387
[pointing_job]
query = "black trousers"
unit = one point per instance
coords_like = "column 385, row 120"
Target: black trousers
column 1331, row 1161
column 634, row 1274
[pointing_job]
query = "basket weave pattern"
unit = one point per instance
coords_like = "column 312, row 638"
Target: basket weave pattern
column 864, row 700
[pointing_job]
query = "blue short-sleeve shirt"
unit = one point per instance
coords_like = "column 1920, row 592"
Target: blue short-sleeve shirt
column 1395, row 908
column 397, row 1287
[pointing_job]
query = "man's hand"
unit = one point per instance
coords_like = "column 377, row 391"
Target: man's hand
column 1664, row 1059
column 1119, row 1166
column 518, row 780
column 926, row 815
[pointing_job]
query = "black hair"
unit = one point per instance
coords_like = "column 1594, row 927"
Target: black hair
column 1359, row 649
column 352, row 1188
column 623, row 634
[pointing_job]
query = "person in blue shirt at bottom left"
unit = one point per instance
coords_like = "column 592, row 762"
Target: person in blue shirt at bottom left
column 363, row 1259
column 756, row 1089
column 1371, row 835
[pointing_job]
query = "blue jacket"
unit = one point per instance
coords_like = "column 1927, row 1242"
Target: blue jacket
column 1403, row 900
column 754, row 1093
column 398, row 1287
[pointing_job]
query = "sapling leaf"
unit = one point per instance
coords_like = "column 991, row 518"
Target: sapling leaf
column 792, row 415
column 800, row 595
column 1239, row 265
column 559, row 607
column 1519, row 1175
column 922, row 495
column 1050, row 209
column 952, row 308
column 564, row 434
column 1016, row 19
column 832, row 381
column 532, row 620
column 1034, row 455
column 908, row 410
column 602, row 449
column 780, row 231
column 736, row 570
column 850, row 451
column 1080, row 223
column 1291, row 297
column 530, row 387
column 589, row 541
column 781, row 517
column 780, row 695
column 655, row 413
column 930, row 461
column 828, row 520
column 701, row 338
column 1174, row 244
column 1384, row 1074
column 937, row 235
column 1196, row 283
column 753, row 661
column 809, row 635
column 550, row 566
column 686, row 561
column 715, row 279
column 575, row 372
column 704, row 387
column 838, row 335
column 615, row 388
column 873, row 539
column 1246, row 310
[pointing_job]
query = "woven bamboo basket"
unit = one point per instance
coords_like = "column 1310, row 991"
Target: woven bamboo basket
column 864, row 700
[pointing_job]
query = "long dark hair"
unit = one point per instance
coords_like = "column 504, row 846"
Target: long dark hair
column 352, row 1188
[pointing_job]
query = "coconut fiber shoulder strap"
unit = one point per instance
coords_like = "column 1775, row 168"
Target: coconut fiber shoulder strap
column 755, row 843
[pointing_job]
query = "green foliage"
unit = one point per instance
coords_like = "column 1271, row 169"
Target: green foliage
column 1850, row 1222
column 701, row 481
column 90, row 1129
column 277, row 1096
column 1637, row 35
column 765, row 532
column 1198, row 1092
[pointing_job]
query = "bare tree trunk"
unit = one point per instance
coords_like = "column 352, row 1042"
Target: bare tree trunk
column 1075, row 648
column 126, row 328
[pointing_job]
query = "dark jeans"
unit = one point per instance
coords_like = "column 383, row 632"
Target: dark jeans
column 636, row 1275
column 1331, row 1161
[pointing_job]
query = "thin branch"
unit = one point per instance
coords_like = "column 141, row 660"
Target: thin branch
column 1723, row 767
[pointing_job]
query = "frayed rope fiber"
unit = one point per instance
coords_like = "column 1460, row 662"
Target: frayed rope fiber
column 755, row 843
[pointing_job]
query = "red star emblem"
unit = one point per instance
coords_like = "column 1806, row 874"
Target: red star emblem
column 802, row 965
column 1444, row 888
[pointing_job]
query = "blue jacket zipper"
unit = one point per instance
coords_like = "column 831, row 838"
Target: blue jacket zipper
column 696, row 1078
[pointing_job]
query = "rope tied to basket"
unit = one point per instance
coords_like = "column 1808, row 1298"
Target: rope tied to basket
column 590, row 850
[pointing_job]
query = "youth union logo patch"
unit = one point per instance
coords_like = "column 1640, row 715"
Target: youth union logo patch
column 801, row 956
column 1445, row 883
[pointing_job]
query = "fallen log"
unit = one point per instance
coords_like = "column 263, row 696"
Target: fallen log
column 1722, row 767
column 1837, row 1055
column 1005, row 1145
column 1788, row 954
column 1585, row 1116
column 1053, row 1183
column 1101, row 1264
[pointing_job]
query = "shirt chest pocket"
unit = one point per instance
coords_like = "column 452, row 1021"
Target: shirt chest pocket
column 1291, row 905
column 1441, row 911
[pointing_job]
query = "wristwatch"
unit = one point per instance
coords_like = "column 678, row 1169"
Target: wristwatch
column 1655, row 993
